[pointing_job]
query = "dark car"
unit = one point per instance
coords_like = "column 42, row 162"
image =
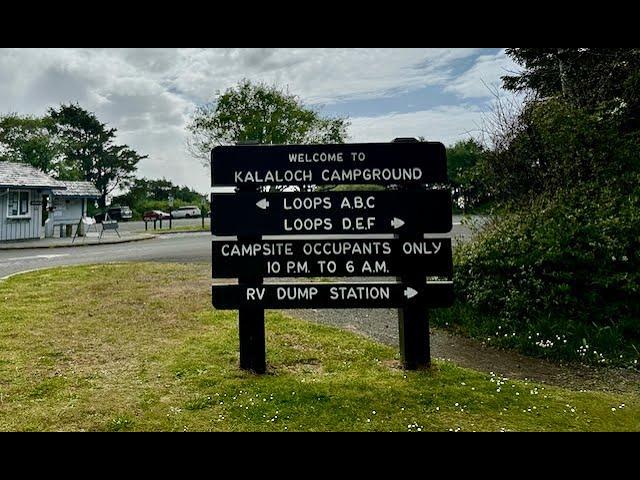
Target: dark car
column 119, row 213
column 152, row 215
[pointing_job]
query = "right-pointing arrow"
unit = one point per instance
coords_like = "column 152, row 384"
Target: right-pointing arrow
column 410, row 292
column 263, row 204
column 396, row 223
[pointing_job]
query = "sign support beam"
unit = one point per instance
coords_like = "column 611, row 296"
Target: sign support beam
column 413, row 321
column 413, row 330
column 251, row 321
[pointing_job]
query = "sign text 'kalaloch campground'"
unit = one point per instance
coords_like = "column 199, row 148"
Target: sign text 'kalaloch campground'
column 374, row 163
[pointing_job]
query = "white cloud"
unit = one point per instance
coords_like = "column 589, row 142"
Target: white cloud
column 483, row 77
column 443, row 124
column 115, row 85
column 148, row 94
column 318, row 75
column 169, row 158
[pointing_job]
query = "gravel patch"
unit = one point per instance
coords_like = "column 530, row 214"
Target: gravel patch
column 382, row 325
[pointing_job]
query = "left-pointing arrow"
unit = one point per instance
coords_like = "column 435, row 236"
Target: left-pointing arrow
column 263, row 204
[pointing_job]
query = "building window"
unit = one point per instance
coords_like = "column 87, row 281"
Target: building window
column 18, row 204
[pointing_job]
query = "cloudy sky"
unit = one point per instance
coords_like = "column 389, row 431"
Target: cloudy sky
column 149, row 94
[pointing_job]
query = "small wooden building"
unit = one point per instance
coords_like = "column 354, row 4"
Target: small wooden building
column 22, row 192
column 68, row 205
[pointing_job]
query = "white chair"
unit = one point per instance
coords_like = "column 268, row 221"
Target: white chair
column 86, row 223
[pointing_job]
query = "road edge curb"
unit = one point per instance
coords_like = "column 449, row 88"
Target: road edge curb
column 74, row 245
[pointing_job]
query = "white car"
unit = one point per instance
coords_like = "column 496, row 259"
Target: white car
column 186, row 212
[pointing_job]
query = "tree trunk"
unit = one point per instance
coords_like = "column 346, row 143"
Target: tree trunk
column 565, row 83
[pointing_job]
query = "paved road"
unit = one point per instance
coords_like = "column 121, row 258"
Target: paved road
column 185, row 247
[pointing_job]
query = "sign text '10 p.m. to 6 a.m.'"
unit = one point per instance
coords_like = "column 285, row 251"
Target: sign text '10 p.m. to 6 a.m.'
column 359, row 233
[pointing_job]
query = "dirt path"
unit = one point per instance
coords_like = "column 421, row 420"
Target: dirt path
column 381, row 325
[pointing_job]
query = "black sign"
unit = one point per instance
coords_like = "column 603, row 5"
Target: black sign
column 426, row 211
column 332, row 295
column 407, row 210
column 366, row 163
column 336, row 258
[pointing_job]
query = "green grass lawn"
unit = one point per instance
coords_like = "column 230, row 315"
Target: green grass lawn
column 138, row 347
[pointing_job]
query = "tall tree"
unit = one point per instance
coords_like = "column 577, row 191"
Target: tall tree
column 584, row 77
column 89, row 150
column 27, row 139
column 260, row 113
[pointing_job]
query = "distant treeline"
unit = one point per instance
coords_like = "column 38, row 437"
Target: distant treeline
column 146, row 194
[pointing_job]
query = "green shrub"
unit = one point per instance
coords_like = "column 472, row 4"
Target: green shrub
column 560, row 278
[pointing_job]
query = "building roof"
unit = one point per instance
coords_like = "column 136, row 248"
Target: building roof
column 77, row 190
column 23, row 175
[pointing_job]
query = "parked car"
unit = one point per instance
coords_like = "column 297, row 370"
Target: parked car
column 119, row 213
column 125, row 213
column 186, row 212
column 152, row 215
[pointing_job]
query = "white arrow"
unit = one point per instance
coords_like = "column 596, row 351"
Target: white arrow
column 397, row 223
column 410, row 292
column 263, row 204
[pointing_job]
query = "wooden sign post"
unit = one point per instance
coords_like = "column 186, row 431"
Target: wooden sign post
column 251, row 317
column 332, row 234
